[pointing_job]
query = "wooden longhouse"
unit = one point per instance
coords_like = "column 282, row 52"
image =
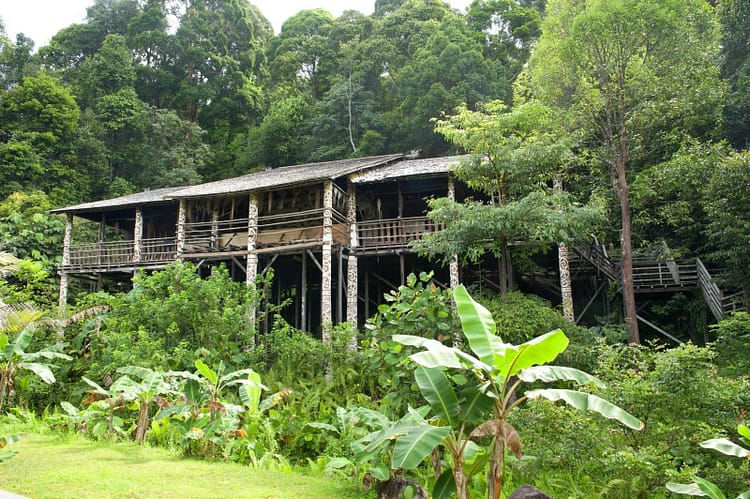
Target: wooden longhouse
column 337, row 233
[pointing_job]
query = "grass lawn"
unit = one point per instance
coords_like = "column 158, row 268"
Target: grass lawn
column 72, row 467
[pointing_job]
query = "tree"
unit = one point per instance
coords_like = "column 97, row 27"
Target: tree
column 728, row 231
column 303, row 54
column 735, row 22
column 631, row 74
column 515, row 154
column 38, row 120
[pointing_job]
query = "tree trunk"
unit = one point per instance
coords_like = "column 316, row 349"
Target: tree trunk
column 628, row 289
column 462, row 481
column 495, row 475
column 142, row 426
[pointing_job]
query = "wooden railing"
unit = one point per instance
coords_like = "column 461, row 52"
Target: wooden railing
column 118, row 254
column 667, row 274
column 273, row 230
column 394, row 232
column 710, row 290
column 596, row 256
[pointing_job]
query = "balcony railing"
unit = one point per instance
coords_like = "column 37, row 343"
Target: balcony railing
column 110, row 255
column 273, row 230
column 394, row 233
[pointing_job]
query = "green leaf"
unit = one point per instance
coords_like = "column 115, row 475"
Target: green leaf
column 21, row 342
column 250, row 392
column 710, row 489
column 538, row 351
column 97, row 388
column 381, row 472
column 688, row 489
column 445, row 485
column 206, row 371
column 193, row 392
column 477, row 325
column 438, row 392
column 40, row 370
column 439, row 355
column 3, row 342
column 744, row 431
column 558, row 373
column 416, row 444
column 725, row 447
column 69, row 408
column 588, row 402
column 323, row 426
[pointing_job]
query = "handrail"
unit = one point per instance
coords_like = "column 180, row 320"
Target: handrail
column 710, row 290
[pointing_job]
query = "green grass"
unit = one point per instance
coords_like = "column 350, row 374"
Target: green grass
column 49, row 466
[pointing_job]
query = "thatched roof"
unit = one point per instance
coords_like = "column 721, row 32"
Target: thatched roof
column 408, row 168
column 286, row 176
column 131, row 200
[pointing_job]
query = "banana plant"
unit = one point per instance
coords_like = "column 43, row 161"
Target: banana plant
column 705, row 488
column 152, row 385
column 122, row 391
column 13, row 355
column 499, row 368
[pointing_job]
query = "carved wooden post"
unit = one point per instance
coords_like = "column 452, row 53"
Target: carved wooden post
column 214, row 226
column 63, row 301
column 326, row 313
column 454, row 259
column 181, row 216
column 252, row 237
column 352, row 275
column 138, row 236
column 251, row 263
column 564, row 265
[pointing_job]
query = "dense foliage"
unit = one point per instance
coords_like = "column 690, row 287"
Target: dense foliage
column 647, row 97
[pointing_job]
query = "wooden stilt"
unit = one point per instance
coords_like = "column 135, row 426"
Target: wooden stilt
column 63, row 298
column 326, row 313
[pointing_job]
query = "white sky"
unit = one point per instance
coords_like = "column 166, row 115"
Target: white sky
column 41, row 19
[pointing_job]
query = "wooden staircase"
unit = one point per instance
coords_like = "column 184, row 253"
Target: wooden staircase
column 665, row 275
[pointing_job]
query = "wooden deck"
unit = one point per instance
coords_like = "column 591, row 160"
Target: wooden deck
column 221, row 239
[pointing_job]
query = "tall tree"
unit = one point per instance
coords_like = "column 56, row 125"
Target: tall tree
column 515, row 155
column 629, row 71
column 735, row 20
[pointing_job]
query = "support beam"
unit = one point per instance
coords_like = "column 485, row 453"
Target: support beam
column 352, row 276
column 251, row 262
column 251, row 265
column 453, row 266
column 566, row 288
column 181, row 216
column 214, row 243
column 63, row 300
column 138, row 236
column 303, row 294
column 326, row 312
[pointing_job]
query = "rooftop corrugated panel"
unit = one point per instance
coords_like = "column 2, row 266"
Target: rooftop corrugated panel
column 285, row 176
column 408, row 168
column 140, row 198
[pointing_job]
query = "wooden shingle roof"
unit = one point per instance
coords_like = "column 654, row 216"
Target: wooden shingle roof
column 408, row 168
column 286, row 176
column 131, row 200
